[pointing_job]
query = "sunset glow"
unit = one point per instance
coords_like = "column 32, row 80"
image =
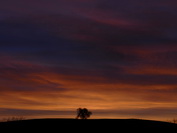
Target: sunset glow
column 116, row 58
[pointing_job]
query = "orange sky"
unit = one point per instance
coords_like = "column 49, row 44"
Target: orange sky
column 45, row 91
column 116, row 58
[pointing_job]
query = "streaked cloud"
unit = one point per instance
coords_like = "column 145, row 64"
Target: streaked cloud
column 105, row 55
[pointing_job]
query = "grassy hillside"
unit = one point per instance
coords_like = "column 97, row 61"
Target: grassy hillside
column 96, row 125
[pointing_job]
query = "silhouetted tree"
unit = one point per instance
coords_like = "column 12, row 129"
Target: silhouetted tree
column 83, row 113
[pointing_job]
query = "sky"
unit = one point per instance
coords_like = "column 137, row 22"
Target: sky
column 116, row 58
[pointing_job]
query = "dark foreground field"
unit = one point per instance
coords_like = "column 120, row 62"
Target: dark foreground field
column 92, row 125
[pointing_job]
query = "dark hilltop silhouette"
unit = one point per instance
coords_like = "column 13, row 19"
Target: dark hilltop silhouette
column 90, row 125
column 83, row 124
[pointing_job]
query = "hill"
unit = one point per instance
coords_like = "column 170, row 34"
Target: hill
column 96, row 125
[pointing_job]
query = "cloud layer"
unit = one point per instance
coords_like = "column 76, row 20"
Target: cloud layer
column 103, row 55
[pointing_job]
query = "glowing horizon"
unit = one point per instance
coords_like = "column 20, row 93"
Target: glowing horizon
column 118, row 59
